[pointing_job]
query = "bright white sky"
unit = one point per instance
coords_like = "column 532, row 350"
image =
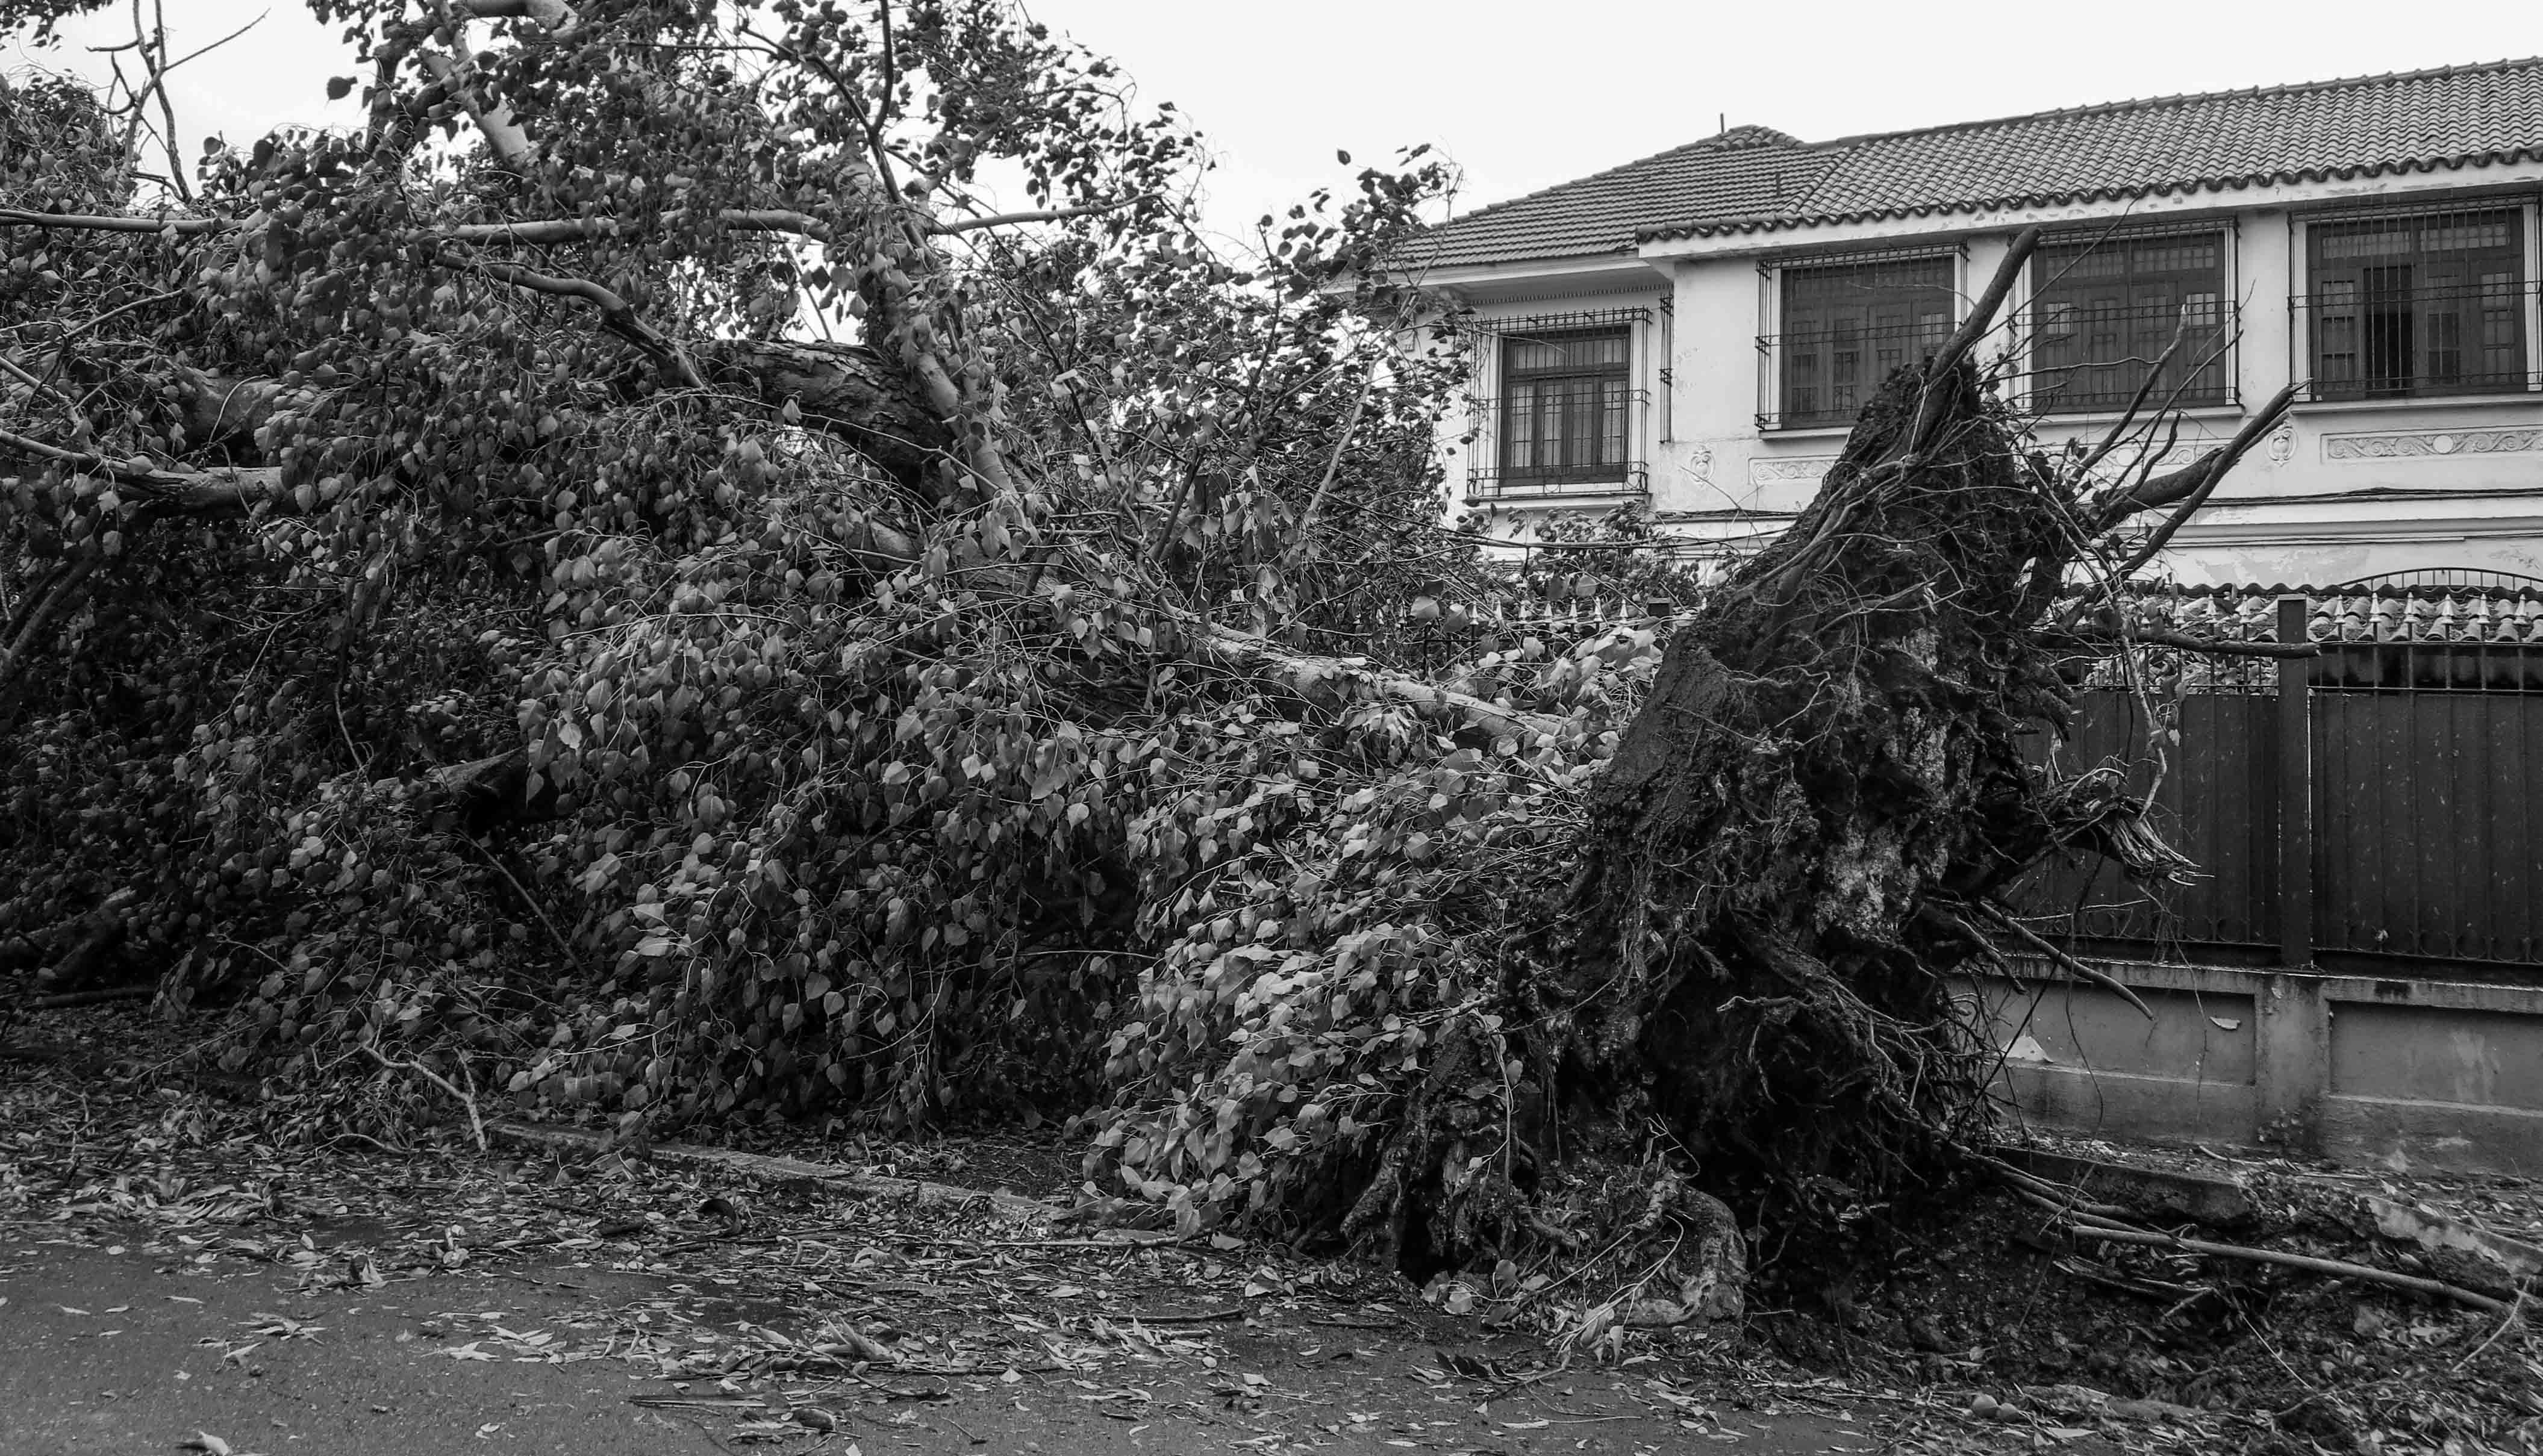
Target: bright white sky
column 1524, row 96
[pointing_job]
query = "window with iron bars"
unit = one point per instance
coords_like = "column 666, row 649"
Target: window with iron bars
column 2104, row 310
column 1845, row 327
column 1562, row 405
column 1564, row 418
column 2416, row 304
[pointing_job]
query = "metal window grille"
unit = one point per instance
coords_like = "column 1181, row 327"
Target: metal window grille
column 1845, row 326
column 1560, row 436
column 1565, row 418
column 2104, row 309
column 2418, row 304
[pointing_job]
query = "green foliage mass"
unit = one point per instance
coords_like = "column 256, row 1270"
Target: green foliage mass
column 1012, row 733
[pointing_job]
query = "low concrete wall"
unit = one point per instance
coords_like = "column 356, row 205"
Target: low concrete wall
column 2400, row 1073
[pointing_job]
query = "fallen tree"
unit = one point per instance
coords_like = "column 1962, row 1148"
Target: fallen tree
column 453, row 612
column 451, row 601
column 1724, row 962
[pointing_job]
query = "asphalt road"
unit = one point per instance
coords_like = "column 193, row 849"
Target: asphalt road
column 106, row 1348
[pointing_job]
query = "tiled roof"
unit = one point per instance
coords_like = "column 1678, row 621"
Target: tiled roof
column 1755, row 180
column 1747, row 168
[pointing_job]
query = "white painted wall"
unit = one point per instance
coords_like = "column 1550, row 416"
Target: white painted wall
column 2341, row 491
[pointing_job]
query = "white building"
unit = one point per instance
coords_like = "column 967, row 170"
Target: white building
column 1697, row 329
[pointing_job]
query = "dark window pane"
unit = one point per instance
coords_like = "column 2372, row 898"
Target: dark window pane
column 1847, row 326
column 2417, row 305
column 1564, row 405
column 2105, row 310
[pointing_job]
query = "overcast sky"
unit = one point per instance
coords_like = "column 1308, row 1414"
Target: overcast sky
column 1524, row 96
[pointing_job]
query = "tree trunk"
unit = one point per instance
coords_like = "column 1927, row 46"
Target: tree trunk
column 1788, row 860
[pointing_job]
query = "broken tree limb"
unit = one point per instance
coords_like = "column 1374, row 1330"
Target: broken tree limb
column 2336, row 1267
column 776, row 1172
column 1944, row 365
column 1298, row 668
column 98, row 997
column 616, row 314
column 476, row 1125
column 184, row 227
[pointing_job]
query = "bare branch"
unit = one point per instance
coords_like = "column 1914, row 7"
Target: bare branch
column 1010, row 219
column 2068, row 964
column 2199, row 476
column 45, row 603
column 2165, row 638
column 203, row 51
column 154, row 60
column 2146, row 388
column 1333, row 465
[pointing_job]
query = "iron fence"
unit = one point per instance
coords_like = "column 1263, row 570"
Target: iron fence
column 2378, row 804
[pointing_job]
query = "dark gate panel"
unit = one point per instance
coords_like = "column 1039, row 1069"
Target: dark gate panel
column 2217, row 803
column 2400, row 768
column 2429, row 814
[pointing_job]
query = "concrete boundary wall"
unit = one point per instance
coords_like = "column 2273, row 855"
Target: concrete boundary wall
column 2394, row 1071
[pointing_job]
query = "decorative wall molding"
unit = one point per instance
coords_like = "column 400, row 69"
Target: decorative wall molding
column 2282, row 444
column 2411, row 444
column 1697, row 462
column 1790, row 468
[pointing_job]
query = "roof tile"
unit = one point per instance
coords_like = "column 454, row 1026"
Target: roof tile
column 1753, row 178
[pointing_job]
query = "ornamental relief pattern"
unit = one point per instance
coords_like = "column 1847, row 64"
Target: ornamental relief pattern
column 1796, row 468
column 2432, row 443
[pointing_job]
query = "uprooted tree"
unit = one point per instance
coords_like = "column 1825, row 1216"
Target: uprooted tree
column 458, row 619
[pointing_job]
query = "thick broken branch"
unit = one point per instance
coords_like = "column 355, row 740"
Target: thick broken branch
column 2336, row 1267
column 1943, row 370
column 179, row 489
column 1490, row 718
column 504, row 136
column 184, row 227
column 1011, row 219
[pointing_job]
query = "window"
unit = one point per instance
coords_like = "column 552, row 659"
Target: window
column 2426, row 304
column 1564, row 406
column 1846, row 326
column 2104, row 309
